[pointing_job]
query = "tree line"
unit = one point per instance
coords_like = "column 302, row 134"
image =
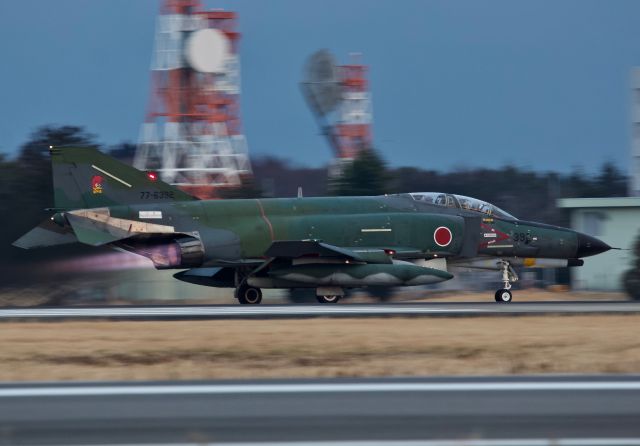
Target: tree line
column 527, row 194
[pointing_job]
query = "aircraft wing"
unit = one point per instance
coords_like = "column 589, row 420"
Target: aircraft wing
column 293, row 249
column 362, row 266
column 314, row 264
column 308, row 248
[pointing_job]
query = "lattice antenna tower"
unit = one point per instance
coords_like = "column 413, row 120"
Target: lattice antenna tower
column 192, row 133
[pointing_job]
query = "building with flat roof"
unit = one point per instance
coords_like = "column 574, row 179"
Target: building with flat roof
column 615, row 221
column 634, row 168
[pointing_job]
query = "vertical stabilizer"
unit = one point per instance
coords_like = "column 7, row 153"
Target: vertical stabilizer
column 84, row 177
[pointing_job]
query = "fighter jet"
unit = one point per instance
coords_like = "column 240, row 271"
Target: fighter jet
column 329, row 244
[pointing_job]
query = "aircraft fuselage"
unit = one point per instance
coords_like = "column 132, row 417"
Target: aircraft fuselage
column 235, row 230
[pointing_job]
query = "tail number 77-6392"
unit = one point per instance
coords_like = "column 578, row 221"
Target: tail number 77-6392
column 157, row 195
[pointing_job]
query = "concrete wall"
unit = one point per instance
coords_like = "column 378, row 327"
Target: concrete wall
column 619, row 228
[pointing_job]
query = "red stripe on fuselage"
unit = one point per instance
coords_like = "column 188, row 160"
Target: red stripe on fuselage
column 266, row 219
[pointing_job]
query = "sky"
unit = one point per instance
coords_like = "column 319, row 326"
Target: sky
column 538, row 84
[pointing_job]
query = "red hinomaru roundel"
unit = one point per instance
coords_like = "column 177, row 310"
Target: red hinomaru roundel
column 442, row 236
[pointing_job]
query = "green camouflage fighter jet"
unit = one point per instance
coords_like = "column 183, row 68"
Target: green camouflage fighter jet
column 330, row 244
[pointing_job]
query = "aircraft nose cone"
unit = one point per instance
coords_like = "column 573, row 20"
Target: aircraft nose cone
column 590, row 246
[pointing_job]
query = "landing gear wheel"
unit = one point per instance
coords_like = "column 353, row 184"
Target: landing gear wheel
column 248, row 295
column 328, row 299
column 503, row 296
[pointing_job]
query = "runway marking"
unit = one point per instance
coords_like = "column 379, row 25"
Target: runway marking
column 225, row 311
column 292, row 311
column 220, row 389
column 461, row 442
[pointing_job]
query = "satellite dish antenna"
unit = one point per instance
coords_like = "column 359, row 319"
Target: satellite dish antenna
column 321, row 86
column 322, row 90
column 207, row 51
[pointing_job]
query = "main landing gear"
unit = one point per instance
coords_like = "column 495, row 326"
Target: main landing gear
column 331, row 299
column 503, row 295
column 248, row 295
column 329, row 294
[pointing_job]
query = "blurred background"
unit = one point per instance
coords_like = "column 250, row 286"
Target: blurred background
column 534, row 107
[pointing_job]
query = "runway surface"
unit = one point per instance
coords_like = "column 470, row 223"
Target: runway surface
column 426, row 309
column 599, row 410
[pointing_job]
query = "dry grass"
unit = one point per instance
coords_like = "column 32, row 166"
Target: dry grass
column 318, row 348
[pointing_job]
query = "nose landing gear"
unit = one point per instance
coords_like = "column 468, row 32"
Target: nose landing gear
column 503, row 295
column 508, row 275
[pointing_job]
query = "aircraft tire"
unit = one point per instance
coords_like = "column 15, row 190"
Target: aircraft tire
column 248, row 295
column 328, row 299
column 503, row 296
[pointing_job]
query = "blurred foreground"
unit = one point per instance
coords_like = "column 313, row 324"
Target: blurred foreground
column 129, row 289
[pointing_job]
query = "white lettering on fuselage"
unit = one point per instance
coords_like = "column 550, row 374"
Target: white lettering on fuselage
column 150, row 214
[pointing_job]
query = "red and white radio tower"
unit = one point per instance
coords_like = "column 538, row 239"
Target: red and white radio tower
column 340, row 100
column 192, row 134
column 353, row 130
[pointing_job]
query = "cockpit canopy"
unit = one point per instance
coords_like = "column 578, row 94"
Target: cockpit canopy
column 461, row 202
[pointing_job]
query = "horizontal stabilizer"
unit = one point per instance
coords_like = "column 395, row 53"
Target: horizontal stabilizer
column 96, row 227
column 45, row 234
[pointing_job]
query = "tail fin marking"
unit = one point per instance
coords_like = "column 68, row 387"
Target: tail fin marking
column 86, row 178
